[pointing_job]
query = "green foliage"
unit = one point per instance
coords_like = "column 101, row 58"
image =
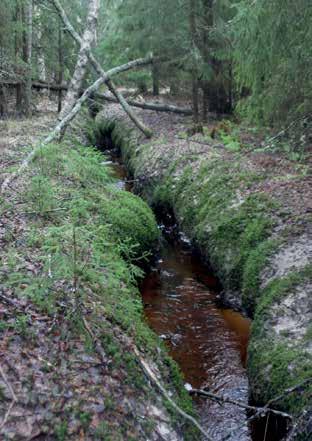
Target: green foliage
column 273, row 57
column 61, row 431
column 41, row 195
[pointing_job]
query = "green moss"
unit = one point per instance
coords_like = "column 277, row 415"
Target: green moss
column 273, row 367
column 132, row 222
column 278, row 289
column 89, row 237
column 226, row 230
column 255, row 263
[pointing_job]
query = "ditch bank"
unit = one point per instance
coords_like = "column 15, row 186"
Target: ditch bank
column 249, row 214
column 75, row 349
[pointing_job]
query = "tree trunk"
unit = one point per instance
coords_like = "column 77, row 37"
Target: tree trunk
column 231, row 88
column 192, row 24
column 155, row 74
column 3, row 101
column 82, row 62
column 195, row 99
column 41, row 60
column 147, row 106
column 28, row 56
column 208, row 20
column 60, row 68
column 97, row 67
column 17, row 43
column 59, row 130
column 205, row 102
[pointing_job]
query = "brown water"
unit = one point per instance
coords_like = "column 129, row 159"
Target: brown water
column 209, row 343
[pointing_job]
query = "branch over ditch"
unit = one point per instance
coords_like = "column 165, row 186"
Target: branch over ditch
column 98, row 68
column 260, row 410
column 57, row 131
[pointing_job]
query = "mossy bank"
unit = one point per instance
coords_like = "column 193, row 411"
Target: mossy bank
column 71, row 245
column 258, row 245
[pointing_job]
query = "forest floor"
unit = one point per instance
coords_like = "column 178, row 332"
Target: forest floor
column 53, row 384
column 52, row 387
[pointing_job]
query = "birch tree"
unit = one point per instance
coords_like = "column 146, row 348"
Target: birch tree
column 82, row 62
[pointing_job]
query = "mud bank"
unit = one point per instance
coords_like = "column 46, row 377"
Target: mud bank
column 250, row 216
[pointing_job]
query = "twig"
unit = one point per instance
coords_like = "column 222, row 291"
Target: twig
column 14, row 398
column 7, row 414
column 148, row 371
column 268, row 144
column 288, row 391
column 7, row 383
column 266, row 427
column 43, row 212
column 260, row 410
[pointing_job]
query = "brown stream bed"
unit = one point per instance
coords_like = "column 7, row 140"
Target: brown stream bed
column 209, row 343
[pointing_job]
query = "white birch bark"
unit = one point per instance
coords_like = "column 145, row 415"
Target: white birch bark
column 98, row 68
column 82, row 62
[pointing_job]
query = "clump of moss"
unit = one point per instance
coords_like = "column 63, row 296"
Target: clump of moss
column 255, row 263
column 206, row 205
column 132, row 222
column 273, row 363
column 273, row 367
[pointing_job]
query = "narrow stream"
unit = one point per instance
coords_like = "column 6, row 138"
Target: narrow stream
column 209, row 343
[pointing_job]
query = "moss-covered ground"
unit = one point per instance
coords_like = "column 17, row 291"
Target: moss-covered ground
column 240, row 210
column 72, row 245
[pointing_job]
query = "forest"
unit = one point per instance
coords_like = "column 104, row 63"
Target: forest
column 155, row 220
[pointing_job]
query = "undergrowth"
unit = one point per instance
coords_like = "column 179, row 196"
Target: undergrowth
column 84, row 247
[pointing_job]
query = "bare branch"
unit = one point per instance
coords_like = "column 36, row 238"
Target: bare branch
column 260, row 410
column 98, row 68
column 14, row 398
column 148, row 106
column 148, row 371
column 56, row 133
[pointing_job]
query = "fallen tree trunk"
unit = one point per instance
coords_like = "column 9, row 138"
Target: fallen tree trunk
column 35, row 85
column 57, row 131
column 147, row 106
column 98, row 68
